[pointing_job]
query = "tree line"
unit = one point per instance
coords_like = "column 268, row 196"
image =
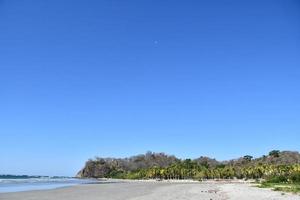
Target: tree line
column 276, row 166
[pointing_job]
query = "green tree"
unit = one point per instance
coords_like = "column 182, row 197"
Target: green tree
column 248, row 158
column 274, row 153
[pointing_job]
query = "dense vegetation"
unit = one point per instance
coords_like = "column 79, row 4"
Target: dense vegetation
column 283, row 167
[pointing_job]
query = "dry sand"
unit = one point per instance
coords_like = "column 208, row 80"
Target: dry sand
column 143, row 190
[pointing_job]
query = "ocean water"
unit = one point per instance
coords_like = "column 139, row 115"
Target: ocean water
column 18, row 184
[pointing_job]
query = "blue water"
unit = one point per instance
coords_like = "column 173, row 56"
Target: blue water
column 41, row 183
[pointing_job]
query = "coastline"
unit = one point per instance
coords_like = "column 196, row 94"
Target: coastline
column 30, row 184
column 152, row 190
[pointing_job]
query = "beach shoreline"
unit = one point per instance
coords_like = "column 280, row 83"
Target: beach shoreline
column 152, row 190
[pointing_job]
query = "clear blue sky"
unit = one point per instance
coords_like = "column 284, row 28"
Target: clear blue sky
column 118, row 78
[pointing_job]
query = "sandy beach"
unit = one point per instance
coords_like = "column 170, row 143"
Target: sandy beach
column 142, row 190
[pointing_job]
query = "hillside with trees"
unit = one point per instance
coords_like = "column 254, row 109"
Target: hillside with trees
column 277, row 166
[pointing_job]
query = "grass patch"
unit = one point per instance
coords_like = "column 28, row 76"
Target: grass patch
column 282, row 187
column 290, row 188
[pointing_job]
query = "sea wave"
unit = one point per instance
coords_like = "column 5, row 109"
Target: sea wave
column 25, row 184
column 42, row 180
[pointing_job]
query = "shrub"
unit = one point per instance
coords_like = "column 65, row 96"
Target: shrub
column 277, row 179
column 295, row 178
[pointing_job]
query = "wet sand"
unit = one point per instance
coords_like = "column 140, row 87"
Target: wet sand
column 144, row 190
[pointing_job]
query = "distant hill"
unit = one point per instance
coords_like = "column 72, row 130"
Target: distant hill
column 115, row 167
column 274, row 157
column 9, row 176
column 102, row 167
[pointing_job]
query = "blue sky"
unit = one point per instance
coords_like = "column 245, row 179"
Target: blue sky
column 80, row 79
